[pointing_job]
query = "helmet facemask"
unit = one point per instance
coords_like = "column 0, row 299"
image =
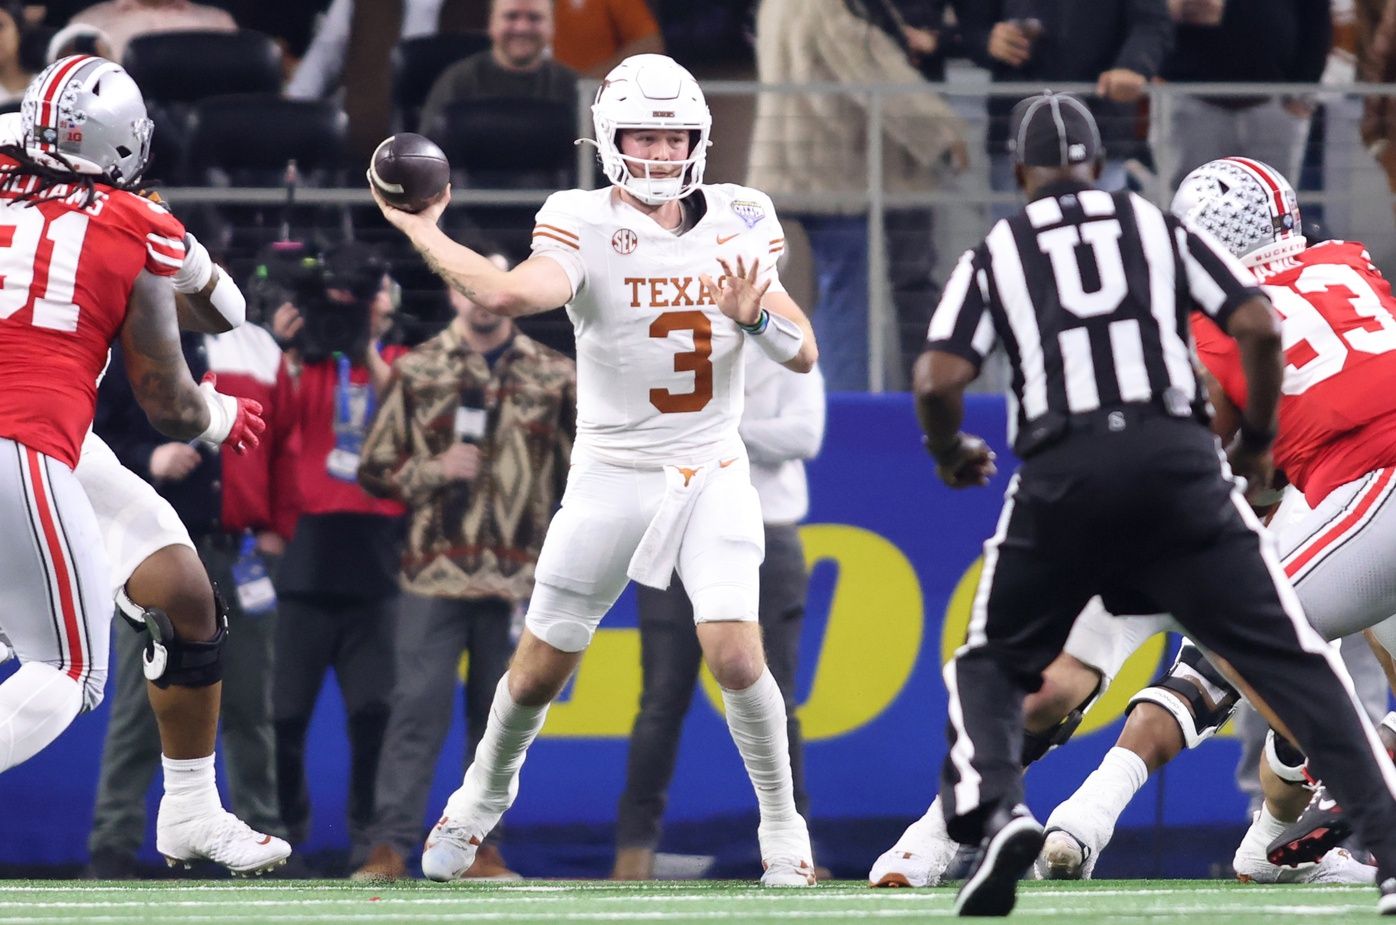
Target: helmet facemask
column 651, row 93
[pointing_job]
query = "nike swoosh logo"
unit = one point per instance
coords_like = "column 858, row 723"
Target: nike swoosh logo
column 726, row 462
column 723, row 239
column 266, row 840
column 1326, row 805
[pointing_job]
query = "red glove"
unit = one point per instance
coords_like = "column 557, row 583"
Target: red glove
column 233, row 422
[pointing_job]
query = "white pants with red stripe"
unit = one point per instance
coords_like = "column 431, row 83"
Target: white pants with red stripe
column 1340, row 554
column 55, row 597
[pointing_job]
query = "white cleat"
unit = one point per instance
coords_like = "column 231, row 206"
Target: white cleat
column 787, row 872
column 1337, row 866
column 450, row 850
column 221, row 837
column 920, row 856
column 1064, row 857
column 786, row 856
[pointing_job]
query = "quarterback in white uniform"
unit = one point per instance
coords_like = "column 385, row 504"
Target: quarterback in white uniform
column 663, row 278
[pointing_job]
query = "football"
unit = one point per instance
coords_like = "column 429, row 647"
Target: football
column 409, row 171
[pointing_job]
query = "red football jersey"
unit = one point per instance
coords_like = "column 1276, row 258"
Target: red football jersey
column 66, row 274
column 1338, row 404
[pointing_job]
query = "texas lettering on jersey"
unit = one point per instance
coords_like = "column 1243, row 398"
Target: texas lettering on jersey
column 1338, row 400
column 659, row 367
column 66, row 272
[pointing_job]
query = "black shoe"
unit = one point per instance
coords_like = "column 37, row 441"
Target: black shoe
column 1011, row 847
column 1323, row 825
column 110, row 864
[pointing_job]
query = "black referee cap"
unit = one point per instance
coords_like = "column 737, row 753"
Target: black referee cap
column 1053, row 130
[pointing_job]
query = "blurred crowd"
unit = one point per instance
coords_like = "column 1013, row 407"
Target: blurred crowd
column 416, row 444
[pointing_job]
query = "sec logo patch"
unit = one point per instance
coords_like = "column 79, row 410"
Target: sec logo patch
column 624, row 241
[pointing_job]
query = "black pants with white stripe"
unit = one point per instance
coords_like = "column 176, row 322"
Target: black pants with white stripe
column 1141, row 511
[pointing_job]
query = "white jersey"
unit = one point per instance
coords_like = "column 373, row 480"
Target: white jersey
column 659, row 367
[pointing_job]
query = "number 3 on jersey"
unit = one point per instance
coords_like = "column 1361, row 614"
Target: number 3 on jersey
column 697, row 361
column 1317, row 343
column 23, row 231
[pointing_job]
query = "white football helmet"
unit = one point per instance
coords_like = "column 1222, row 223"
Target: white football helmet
column 1248, row 206
column 651, row 92
column 86, row 114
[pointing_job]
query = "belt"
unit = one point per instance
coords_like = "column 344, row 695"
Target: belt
column 1050, row 429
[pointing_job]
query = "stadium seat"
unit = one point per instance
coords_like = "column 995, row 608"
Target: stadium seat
column 418, row 61
column 249, row 141
column 503, row 142
column 185, row 67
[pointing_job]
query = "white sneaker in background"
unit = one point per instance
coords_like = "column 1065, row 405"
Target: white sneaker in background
column 920, row 856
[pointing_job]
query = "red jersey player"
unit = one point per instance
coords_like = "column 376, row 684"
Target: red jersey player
column 82, row 261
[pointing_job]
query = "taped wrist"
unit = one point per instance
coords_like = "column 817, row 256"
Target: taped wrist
column 222, row 412
column 777, row 336
column 228, row 300
column 197, row 268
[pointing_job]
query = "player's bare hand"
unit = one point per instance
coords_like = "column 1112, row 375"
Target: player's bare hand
column 965, row 463
column 286, row 323
column 406, row 222
column 172, row 462
column 735, row 292
column 460, row 463
column 1256, row 467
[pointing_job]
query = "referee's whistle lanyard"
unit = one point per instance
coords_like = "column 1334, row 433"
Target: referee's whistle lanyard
column 349, row 428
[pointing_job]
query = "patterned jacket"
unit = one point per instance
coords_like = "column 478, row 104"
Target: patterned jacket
column 481, row 538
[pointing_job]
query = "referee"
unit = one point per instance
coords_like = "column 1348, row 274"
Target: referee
column 1122, row 491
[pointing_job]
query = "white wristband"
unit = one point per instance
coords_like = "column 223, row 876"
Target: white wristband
column 197, row 268
column 222, row 412
column 780, row 338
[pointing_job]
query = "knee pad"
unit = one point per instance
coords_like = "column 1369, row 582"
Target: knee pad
column 1284, row 759
column 565, row 620
column 167, row 659
column 1037, row 744
column 1208, row 699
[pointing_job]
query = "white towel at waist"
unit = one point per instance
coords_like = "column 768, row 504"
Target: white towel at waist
column 655, row 557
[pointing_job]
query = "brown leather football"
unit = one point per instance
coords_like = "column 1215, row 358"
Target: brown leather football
column 409, row 171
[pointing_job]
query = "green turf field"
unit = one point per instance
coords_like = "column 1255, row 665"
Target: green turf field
column 1196, row 902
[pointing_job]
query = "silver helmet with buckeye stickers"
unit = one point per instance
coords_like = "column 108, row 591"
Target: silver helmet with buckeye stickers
column 86, row 114
column 1247, row 205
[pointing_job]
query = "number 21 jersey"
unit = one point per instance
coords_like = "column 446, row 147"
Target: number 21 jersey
column 66, row 273
column 659, row 367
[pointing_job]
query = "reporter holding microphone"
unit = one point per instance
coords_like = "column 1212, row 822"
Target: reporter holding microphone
column 473, row 434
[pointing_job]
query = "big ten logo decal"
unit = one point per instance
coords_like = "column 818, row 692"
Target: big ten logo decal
column 1140, row 669
column 869, row 646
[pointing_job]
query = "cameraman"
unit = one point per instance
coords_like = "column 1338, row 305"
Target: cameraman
column 337, row 580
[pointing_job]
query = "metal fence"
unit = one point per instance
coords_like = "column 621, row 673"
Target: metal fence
column 857, row 147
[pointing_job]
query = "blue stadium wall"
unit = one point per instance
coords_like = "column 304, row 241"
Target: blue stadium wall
column 893, row 555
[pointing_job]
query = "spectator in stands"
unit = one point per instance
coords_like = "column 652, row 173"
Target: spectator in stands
column 14, row 71
column 319, row 72
column 593, row 36
column 474, row 436
column 1119, row 45
column 817, row 143
column 515, row 66
column 123, row 20
column 336, row 583
column 782, row 425
column 238, row 510
column 1235, row 41
column 1376, row 63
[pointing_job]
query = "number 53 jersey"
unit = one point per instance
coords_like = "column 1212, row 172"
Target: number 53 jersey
column 659, row 367
column 66, row 273
column 1338, row 399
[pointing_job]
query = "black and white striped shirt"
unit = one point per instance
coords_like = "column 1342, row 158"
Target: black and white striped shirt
column 1089, row 293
